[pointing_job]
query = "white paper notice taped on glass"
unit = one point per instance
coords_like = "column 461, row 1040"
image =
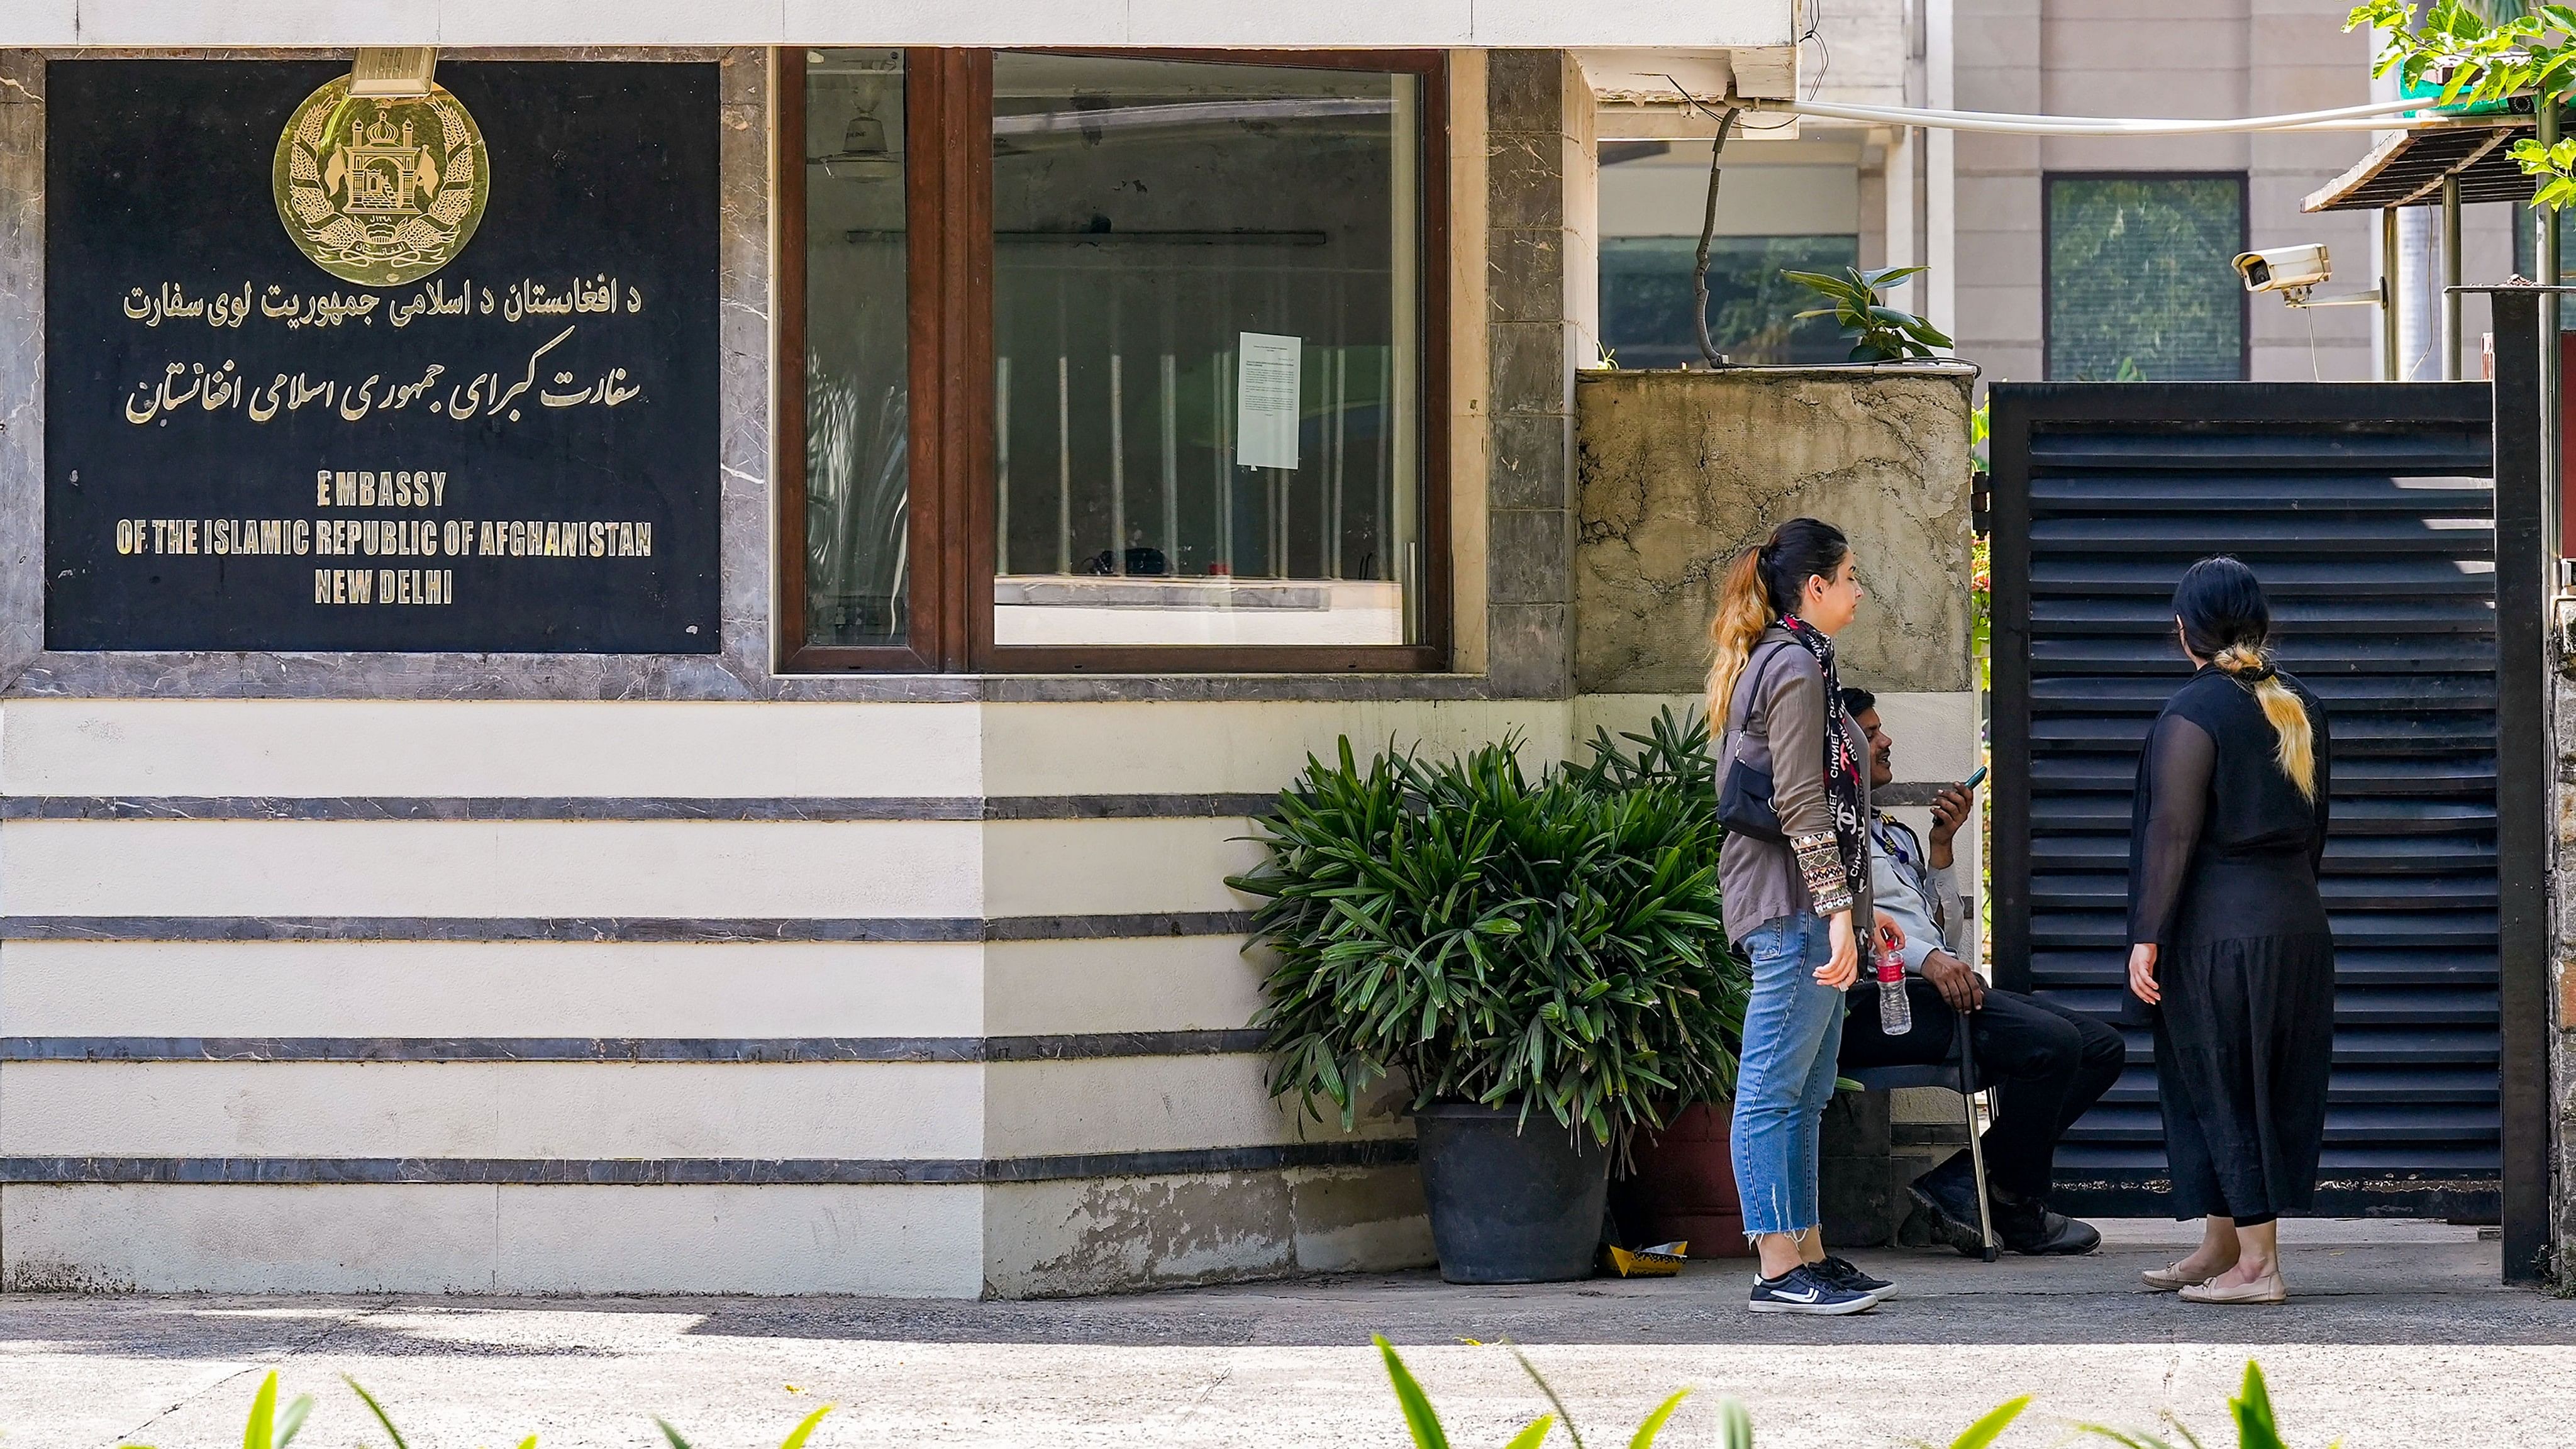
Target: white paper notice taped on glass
column 1265, row 400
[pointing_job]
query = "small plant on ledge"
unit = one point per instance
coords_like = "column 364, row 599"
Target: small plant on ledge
column 1879, row 333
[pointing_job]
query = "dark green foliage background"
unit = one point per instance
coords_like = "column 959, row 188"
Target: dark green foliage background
column 1547, row 943
column 1646, row 299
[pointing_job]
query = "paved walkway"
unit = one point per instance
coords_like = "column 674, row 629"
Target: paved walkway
column 2402, row 1339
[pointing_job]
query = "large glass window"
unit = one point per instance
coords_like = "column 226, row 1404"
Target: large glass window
column 2139, row 282
column 1206, row 353
column 1111, row 362
column 857, row 392
column 1647, row 295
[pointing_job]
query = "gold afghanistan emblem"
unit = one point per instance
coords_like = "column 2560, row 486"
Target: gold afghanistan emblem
column 380, row 191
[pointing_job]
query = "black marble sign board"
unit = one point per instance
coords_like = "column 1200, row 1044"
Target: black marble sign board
column 517, row 452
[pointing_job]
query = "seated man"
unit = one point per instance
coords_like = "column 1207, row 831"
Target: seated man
column 2046, row 1063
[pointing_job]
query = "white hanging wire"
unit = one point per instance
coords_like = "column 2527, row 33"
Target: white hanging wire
column 2375, row 116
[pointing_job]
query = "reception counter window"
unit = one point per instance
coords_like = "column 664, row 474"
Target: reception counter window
column 1112, row 362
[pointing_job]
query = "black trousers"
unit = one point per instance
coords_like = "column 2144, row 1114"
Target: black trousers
column 2048, row 1065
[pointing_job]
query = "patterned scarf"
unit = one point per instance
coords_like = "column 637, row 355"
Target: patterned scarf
column 1843, row 779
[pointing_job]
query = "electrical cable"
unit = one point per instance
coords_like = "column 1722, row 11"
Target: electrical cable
column 2375, row 116
column 1825, row 52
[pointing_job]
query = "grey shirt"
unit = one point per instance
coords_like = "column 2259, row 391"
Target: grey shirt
column 1784, row 719
column 1904, row 884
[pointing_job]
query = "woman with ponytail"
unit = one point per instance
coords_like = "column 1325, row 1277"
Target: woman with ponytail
column 1794, row 873
column 2230, row 948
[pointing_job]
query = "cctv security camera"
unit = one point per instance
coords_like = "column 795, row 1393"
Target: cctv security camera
column 2285, row 269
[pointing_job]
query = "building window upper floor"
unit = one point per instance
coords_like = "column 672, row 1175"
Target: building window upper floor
column 2139, row 283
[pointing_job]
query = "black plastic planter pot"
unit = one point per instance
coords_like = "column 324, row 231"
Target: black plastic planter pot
column 1508, row 1205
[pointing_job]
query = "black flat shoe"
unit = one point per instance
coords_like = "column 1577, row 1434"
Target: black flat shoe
column 2028, row 1226
column 1946, row 1206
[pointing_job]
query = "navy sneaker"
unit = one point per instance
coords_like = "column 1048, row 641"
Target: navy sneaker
column 1844, row 1273
column 1803, row 1290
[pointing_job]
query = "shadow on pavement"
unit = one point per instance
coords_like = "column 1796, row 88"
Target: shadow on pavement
column 2436, row 1295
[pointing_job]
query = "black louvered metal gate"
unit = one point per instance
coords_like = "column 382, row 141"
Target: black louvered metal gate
column 2368, row 511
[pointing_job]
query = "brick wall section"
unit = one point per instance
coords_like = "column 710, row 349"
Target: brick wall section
column 1537, row 116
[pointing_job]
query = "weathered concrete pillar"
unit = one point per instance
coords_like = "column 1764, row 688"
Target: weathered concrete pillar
column 1539, row 273
column 1677, row 472
column 1680, row 471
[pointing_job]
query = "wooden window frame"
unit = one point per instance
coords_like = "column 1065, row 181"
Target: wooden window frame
column 935, row 632
column 949, row 278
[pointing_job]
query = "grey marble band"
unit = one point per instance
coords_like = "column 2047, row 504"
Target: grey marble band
column 1076, row 1046
column 695, row 1171
column 693, row 807
column 655, row 807
column 666, row 929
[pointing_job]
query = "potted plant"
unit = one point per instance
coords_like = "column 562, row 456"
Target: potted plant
column 1540, row 958
column 1679, row 1184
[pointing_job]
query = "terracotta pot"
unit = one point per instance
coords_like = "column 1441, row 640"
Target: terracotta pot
column 1684, row 1185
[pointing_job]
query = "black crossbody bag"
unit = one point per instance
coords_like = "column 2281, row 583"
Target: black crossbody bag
column 1744, row 798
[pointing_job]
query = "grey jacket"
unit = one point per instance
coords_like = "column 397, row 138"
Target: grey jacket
column 1786, row 720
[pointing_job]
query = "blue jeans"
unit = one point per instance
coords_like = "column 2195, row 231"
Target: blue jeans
column 1793, row 1029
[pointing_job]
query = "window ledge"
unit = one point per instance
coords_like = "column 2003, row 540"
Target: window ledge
column 1126, row 688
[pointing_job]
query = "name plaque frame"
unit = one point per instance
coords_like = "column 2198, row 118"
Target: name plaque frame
column 517, row 452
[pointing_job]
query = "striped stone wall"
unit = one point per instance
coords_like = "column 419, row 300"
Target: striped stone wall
column 942, row 999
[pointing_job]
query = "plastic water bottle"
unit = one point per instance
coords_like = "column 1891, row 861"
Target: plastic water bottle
column 1895, row 1012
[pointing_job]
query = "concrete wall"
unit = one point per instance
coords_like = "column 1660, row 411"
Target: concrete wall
column 344, row 995
column 1681, row 471
column 634, row 974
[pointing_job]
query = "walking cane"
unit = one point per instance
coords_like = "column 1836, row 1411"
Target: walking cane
column 1976, row 1145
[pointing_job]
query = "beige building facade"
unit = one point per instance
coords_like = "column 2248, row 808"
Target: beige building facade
column 846, row 910
column 1975, row 207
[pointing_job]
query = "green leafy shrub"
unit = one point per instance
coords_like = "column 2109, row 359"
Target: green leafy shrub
column 795, row 1439
column 2250, row 1409
column 270, row 1428
column 1734, row 1424
column 1879, row 333
column 1534, row 943
column 1424, row 1422
column 2525, row 50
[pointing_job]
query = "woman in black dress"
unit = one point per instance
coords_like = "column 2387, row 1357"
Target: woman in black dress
column 2228, row 937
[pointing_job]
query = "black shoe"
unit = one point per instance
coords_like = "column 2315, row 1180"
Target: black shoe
column 1844, row 1273
column 2026, row 1225
column 1803, row 1290
column 1948, row 1207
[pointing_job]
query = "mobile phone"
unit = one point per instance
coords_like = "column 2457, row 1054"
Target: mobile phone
column 1973, row 781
